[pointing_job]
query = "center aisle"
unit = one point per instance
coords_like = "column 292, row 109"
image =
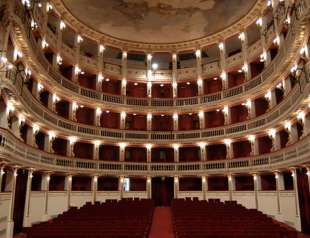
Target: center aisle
column 162, row 223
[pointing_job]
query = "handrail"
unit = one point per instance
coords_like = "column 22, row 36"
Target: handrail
column 16, row 152
column 43, row 114
column 164, row 103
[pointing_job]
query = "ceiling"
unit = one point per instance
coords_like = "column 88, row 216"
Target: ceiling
column 159, row 21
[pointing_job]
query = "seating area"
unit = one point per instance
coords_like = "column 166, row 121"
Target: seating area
column 215, row 219
column 127, row 218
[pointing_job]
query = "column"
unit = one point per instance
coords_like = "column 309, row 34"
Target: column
column 123, row 87
column 251, row 108
column 202, row 123
column 277, row 24
column 57, row 60
column 227, row 115
column 68, row 187
column 149, row 121
column 96, row 150
column 10, row 224
column 295, row 185
column 176, row 152
column 16, row 124
column 122, row 148
column 229, row 149
column 35, row 89
column 305, row 119
column 73, row 106
column 279, row 187
column 77, row 49
column 4, row 39
column 70, row 146
column 149, row 89
column 176, row 187
column 45, row 187
column 94, row 188
column 50, row 102
column 148, row 153
column 1, row 177
column 175, row 118
column 203, row 151
column 204, row 183
column 98, row 113
column 174, row 75
column 124, row 65
column 231, row 186
column 199, row 72
column 275, row 138
column 122, row 120
column 257, row 188
column 5, row 111
column 27, row 200
column 31, row 135
column 293, row 134
column 254, row 145
column 149, row 66
column 48, row 142
column 149, row 187
column 223, row 64
column 272, row 98
column 262, row 23
column 121, row 186
column 99, row 78
column 244, row 44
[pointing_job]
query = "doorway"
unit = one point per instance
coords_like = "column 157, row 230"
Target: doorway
column 162, row 191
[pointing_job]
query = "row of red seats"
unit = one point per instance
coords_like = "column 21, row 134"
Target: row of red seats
column 214, row 219
column 112, row 219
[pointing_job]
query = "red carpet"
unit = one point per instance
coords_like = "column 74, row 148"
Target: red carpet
column 162, row 225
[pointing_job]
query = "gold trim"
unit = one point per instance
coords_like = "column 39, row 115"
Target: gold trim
column 97, row 36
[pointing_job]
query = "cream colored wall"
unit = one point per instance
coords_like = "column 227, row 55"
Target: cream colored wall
column 5, row 199
column 245, row 198
column 57, row 203
column 37, row 206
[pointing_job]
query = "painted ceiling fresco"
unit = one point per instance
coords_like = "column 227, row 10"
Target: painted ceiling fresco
column 159, row 21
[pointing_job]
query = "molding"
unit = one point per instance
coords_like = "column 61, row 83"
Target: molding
column 15, row 153
column 90, row 33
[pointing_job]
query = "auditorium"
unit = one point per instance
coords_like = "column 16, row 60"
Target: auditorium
column 154, row 118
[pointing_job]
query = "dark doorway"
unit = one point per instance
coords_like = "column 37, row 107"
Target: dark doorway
column 162, row 191
column 19, row 203
column 304, row 199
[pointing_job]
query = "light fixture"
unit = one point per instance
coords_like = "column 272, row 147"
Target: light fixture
column 161, row 85
column 148, row 146
column 44, row 44
column 79, row 39
column 251, row 138
column 242, row 36
column 188, row 83
column 259, row 22
column 135, row 84
column 228, row 142
column 101, row 48
column 59, row 59
column 155, row 66
column 198, row 53
column 221, row 46
column 72, row 140
column 98, row 111
column 272, row 132
column 62, row 25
